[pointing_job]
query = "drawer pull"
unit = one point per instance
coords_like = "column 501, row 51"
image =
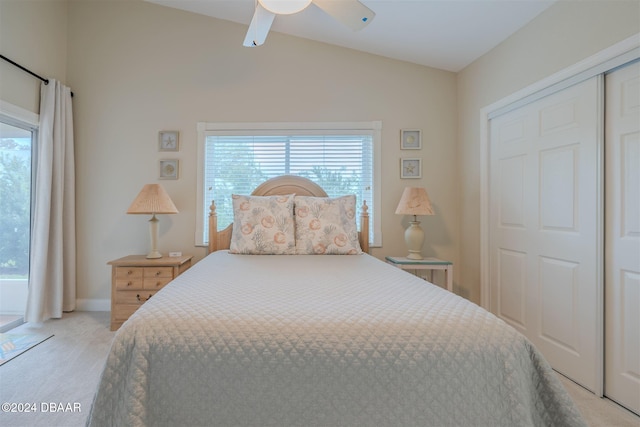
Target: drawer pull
column 129, row 273
column 158, row 273
column 143, row 300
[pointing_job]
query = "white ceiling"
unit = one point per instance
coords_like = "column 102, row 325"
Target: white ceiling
column 445, row 34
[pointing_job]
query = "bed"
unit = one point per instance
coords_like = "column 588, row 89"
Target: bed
column 243, row 339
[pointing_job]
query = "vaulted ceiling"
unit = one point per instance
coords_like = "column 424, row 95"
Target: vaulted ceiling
column 445, row 34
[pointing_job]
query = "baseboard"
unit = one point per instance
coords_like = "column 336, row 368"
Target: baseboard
column 93, row 305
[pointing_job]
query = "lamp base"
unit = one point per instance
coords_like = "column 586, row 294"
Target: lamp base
column 153, row 233
column 414, row 238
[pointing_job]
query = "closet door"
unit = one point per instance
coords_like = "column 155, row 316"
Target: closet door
column 545, row 226
column 622, row 237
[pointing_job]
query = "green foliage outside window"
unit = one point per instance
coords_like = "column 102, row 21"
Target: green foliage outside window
column 15, row 194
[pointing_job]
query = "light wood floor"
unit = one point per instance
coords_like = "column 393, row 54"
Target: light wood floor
column 66, row 369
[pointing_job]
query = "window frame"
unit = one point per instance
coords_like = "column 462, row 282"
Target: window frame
column 204, row 129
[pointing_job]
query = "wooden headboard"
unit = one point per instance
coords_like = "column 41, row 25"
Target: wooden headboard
column 285, row 184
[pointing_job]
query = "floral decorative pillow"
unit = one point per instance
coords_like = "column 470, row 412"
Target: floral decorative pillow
column 326, row 226
column 263, row 225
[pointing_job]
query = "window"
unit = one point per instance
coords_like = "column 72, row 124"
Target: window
column 343, row 158
column 18, row 135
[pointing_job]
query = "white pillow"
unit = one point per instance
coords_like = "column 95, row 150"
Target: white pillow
column 326, row 226
column 263, row 225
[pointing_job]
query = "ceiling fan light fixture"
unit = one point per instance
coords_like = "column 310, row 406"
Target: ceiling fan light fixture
column 284, row 7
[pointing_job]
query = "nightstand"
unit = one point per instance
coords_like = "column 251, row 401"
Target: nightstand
column 430, row 264
column 135, row 279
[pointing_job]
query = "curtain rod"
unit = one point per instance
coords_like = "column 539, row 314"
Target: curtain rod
column 46, row 81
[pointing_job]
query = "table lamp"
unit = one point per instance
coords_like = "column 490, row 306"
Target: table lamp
column 415, row 201
column 152, row 200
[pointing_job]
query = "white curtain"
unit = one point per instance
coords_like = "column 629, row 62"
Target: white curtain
column 52, row 275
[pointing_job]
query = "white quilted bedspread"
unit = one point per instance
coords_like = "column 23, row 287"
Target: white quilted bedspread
column 242, row 340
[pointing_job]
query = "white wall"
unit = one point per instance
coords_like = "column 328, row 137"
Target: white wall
column 33, row 34
column 563, row 35
column 138, row 68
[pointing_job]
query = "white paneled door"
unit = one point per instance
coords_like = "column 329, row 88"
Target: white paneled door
column 546, row 226
column 622, row 237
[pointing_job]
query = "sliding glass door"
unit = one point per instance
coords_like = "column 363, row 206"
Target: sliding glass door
column 16, row 142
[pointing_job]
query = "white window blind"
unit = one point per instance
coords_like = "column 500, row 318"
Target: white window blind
column 341, row 161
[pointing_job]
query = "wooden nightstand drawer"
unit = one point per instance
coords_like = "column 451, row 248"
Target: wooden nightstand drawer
column 135, row 279
column 133, row 297
column 122, row 312
column 129, row 283
column 158, row 272
column 155, row 283
column 129, row 272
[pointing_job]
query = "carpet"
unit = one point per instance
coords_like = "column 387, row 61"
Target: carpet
column 12, row 345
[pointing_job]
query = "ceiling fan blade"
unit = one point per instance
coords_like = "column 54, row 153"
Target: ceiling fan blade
column 259, row 27
column 351, row 13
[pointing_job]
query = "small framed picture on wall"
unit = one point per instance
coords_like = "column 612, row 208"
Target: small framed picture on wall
column 410, row 168
column 410, row 139
column 168, row 140
column 169, row 169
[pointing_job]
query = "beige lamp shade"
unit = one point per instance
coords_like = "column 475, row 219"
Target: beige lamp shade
column 414, row 201
column 152, row 199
